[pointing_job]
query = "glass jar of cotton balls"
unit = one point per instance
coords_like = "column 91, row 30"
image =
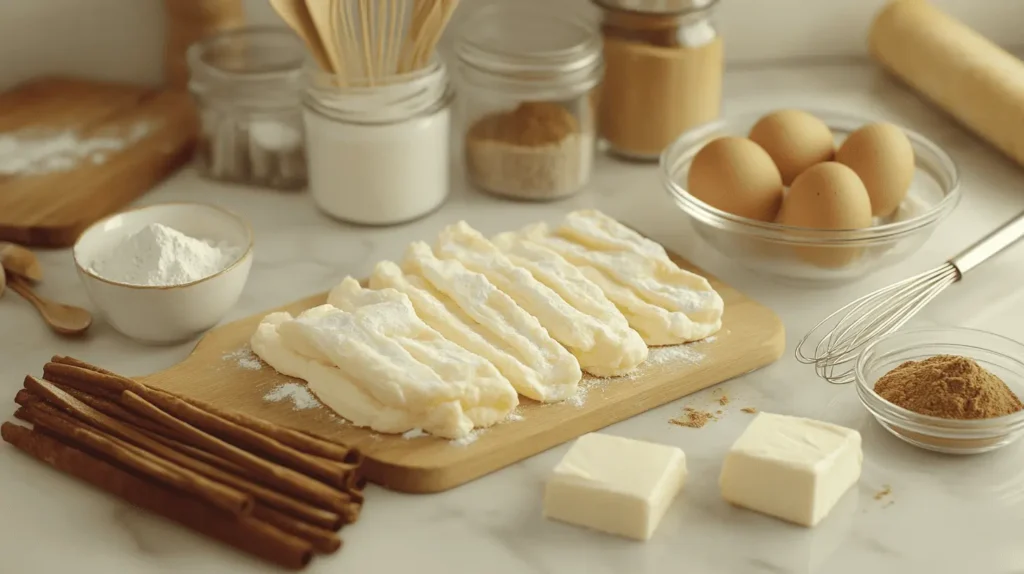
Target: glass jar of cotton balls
column 247, row 85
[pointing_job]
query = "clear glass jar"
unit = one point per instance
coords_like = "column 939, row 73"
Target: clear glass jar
column 663, row 73
column 379, row 149
column 247, row 85
column 529, row 87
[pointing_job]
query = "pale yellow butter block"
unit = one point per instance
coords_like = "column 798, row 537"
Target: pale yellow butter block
column 616, row 485
column 791, row 468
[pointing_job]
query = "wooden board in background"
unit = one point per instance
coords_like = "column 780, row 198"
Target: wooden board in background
column 52, row 209
column 752, row 336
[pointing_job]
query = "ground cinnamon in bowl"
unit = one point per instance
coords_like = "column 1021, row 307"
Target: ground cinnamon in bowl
column 535, row 151
column 949, row 387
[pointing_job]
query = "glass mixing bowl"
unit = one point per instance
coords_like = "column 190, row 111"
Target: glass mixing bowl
column 814, row 255
column 1001, row 356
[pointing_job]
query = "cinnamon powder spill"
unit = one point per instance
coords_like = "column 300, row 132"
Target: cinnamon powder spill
column 886, row 491
column 749, row 410
column 693, row 418
column 723, row 400
column 949, row 387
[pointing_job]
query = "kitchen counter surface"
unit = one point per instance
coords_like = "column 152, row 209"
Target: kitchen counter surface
column 943, row 514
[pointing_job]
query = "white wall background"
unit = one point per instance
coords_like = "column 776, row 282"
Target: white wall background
column 122, row 39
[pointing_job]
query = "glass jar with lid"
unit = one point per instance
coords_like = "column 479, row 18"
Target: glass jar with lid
column 247, row 85
column 379, row 146
column 663, row 73
column 529, row 82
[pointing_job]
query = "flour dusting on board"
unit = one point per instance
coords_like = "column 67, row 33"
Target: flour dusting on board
column 658, row 356
column 244, row 358
column 39, row 152
column 468, row 439
column 296, row 393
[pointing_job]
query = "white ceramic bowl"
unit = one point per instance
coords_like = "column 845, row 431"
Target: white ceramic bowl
column 176, row 313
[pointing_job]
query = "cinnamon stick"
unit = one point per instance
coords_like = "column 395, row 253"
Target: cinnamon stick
column 331, row 472
column 92, row 382
column 280, row 501
column 323, row 541
column 113, row 409
column 134, row 458
column 280, row 477
column 303, row 442
column 246, row 533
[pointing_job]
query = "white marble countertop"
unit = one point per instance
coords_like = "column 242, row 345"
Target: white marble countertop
column 944, row 514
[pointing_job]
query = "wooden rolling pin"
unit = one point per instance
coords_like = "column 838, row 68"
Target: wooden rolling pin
column 962, row 72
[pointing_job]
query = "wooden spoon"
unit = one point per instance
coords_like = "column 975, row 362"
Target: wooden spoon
column 296, row 15
column 322, row 14
column 20, row 261
column 63, row 319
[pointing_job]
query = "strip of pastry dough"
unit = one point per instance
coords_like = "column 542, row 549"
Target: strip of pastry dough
column 655, row 283
column 600, row 349
column 494, row 397
column 593, row 229
column 440, row 312
column 520, row 333
column 329, row 384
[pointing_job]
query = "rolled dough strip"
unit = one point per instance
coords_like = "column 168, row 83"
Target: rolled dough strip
column 493, row 397
column 954, row 67
column 654, row 281
column 600, row 349
column 440, row 312
column 520, row 333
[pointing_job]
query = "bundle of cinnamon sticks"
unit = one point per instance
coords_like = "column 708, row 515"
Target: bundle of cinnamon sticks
column 273, row 492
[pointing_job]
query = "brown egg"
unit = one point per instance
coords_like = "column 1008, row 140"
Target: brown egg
column 796, row 140
column 829, row 195
column 735, row 175
column 882, row 156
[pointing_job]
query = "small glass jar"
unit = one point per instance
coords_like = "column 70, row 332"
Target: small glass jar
column 663, row 73
column 379, row 149
column 247, row 85
column 529, row 87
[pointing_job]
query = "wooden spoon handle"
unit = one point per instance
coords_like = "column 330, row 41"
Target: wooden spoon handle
column 21, row 287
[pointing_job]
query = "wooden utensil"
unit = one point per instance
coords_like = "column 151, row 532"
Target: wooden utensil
column 3, row 281
column 20, row 261
column 155, row 131
column 63, row 319
column 322, row 14
column 220, row 371
column 296, row 14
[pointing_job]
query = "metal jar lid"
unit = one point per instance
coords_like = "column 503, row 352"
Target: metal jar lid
column 666, row 7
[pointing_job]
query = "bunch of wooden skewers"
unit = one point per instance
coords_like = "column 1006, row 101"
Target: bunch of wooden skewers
column 366, row 42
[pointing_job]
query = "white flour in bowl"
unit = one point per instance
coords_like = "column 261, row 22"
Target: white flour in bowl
column 158, row 255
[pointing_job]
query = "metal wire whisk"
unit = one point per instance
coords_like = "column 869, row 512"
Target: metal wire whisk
column 838, row 339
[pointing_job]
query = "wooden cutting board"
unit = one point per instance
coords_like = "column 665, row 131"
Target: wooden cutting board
column 751, row 337
column 51, row 209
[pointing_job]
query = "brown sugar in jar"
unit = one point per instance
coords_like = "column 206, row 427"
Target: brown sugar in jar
column 663, row 73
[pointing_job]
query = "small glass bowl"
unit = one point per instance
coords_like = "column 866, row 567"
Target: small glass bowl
column 814, row 255
column 1001, row 356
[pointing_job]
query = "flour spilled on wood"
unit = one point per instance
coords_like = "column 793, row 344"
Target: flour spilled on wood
column 37, row 152
column 468, row 439
column 244, row 358
column 656, row 357
column 296, row 393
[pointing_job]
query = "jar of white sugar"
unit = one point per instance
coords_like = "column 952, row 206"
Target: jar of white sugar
column 247, row 83
column 378, row 147
column 529, row 80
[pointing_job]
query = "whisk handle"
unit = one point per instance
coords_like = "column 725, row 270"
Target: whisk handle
column 1006, row 235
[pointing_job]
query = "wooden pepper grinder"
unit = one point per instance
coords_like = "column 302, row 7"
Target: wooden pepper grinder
column 189, row 21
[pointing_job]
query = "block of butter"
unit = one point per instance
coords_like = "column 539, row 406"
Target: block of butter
column 614, row 484
column 791, row 468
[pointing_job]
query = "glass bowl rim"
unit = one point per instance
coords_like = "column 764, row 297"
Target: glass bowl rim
column 926, row 424
column 805, row 235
